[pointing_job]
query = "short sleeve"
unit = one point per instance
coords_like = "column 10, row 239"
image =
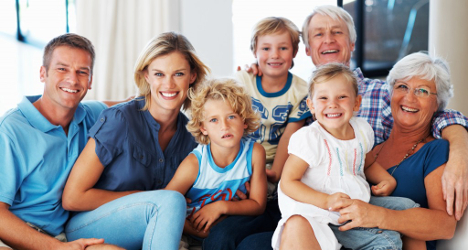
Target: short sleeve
column 11, row 169
column 300, row 111
column 366, row 132
column 305, row 144
column 436, row 155
column 446, row 118
column 110, row 135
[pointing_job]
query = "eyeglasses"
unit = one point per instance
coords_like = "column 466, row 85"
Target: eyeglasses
column 419, row 92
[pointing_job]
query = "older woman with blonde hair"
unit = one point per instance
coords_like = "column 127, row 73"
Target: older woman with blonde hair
column 420, row 86
column 134, row 149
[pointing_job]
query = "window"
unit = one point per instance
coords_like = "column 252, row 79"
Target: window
column 391, row 29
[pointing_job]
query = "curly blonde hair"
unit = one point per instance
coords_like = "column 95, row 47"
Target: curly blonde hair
column 225, row 89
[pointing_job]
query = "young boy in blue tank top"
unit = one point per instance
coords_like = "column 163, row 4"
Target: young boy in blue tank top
column 224, row 161
column 278, row 95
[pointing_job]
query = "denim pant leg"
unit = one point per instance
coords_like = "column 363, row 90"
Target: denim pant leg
column 230, row 232
column 375, row 238
column 259, row 241
column 144, row 220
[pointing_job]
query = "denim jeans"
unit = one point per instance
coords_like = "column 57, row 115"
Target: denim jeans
column 375, row 238
column 357, row 238
column 144, row 220
column 231, row 231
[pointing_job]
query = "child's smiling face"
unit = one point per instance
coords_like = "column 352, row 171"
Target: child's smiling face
column 274, row 53
column 333, row 103
column 224, row 126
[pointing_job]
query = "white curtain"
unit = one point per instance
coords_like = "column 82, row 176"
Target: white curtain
column 119, row 30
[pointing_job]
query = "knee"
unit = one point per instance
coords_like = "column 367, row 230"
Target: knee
column 173, row 200
column 295, row 222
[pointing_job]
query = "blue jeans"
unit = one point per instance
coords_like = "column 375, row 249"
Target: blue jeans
column 144, row 220
column 231, row 231
column 357, row 238
column 375, row 238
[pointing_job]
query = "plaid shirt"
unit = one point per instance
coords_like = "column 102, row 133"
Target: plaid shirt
column 375, row 108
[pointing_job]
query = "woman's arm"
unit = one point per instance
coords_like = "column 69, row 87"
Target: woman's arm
column 293, row 187
column 418, row 223
column 282, row 151
column 79, row 194
column 254, row 205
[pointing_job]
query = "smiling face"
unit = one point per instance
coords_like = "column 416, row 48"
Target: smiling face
column 224, row 126
column 68, row 79
column 410, row 111
column 169, row 77
column 328, row 41
column 333, row 102
column 274, row 53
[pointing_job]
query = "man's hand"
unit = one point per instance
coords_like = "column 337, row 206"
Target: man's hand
column 253, row 68
column 455, row 188
column 82, row 244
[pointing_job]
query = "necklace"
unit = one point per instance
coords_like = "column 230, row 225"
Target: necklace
column 406, row 155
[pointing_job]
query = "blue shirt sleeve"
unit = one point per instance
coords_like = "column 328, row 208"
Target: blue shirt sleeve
column 109, row 133
column 10, row 169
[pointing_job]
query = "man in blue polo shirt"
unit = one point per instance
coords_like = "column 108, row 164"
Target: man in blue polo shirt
column 40, row 140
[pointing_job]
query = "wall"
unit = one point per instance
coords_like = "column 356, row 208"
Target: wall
column 448, row 38
column 208, row 26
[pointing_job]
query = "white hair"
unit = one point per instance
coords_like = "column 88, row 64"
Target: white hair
column 425, row 67
column 335, row 13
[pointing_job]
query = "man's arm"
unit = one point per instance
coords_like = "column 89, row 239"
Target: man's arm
column 455, row 176
column 17, row 234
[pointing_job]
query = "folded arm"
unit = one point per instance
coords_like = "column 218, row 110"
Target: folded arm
column 79, row 193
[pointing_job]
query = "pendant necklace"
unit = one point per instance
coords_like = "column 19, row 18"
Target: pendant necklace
column 406, row 155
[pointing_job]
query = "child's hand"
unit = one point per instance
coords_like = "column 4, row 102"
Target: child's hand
column 241, row 195
column 190, row 229
column 337, row 198
column 384, row 188
column 271, row 176
column 206, row 216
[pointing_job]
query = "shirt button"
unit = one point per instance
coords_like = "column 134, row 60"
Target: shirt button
column 159, row 182
column 379, row 232
column 103, row 119
column 161, row 160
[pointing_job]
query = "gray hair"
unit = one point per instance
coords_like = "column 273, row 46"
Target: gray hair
column 426, row 67
column 335, row 13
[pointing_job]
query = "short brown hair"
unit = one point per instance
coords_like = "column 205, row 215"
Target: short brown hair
column 225, row 89
column 271, row 25
column 331, row 70
column 162, row 45
column 70, row 40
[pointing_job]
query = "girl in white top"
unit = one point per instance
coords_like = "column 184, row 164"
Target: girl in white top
column 327, row 163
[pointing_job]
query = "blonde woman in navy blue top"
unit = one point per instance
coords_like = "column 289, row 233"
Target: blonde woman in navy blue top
column 134, row 149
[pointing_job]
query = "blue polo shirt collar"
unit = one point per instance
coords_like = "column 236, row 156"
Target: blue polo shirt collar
column 38, row 121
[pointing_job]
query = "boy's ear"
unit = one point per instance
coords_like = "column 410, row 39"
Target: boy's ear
column 357, row 103
column 203, row 130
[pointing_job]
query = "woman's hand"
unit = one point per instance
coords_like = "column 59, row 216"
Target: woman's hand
column 360, row 214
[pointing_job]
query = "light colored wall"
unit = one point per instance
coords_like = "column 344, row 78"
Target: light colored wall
column 448, row 38
column 208, row 26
